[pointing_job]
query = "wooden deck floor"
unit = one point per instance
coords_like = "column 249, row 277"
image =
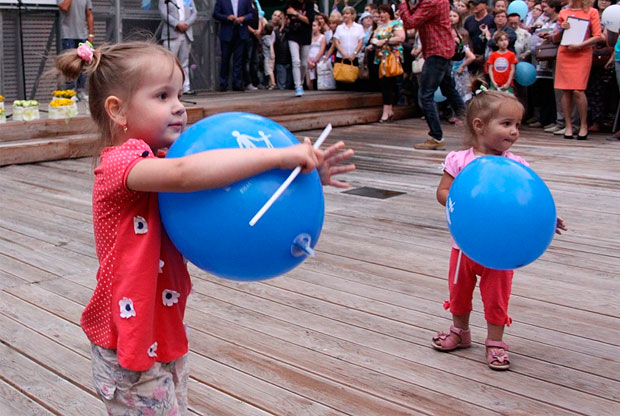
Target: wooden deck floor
column 348, row 332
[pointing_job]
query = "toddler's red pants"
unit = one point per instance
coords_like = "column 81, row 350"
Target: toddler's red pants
column 495, row 287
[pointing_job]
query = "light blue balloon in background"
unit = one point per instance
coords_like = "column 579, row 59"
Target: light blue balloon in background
column 438, row 97
column 211, row 227
column 519, row 7
column 525, row 74
column 500, row 213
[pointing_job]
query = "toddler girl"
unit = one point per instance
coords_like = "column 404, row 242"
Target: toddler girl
column 493, row 120
column 134, row 320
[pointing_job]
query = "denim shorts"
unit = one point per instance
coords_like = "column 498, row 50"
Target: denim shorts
column 158, row 391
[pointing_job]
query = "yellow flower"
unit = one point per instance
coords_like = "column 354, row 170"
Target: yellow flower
column 63, row 93
column 1, row 98
column 61, row 102
column 1, row 111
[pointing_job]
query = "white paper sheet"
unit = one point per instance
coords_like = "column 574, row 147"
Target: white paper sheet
column 577, row 31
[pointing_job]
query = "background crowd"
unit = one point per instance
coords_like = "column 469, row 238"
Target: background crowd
column 439, row 46
column 297, row 47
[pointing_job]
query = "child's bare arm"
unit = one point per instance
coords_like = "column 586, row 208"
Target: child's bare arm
column 443, row 189
column 217, row 168
column 490, row 70
column 513, row 68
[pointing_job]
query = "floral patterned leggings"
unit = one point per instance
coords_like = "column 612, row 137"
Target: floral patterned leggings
column 159, row 391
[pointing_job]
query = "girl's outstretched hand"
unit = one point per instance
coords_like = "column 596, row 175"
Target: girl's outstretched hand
column 560, row 226
column 332, row 156
column 303, row 155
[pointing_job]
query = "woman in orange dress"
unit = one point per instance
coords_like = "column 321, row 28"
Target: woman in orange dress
column 573, row 65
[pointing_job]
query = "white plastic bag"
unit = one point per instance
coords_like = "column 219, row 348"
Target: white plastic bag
column 325, row 75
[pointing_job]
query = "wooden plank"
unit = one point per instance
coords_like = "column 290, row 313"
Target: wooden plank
column 48, row 388
column 13, row 402
column 357, row 318
column 36, row 150
column 295, row 356
column 395, row 339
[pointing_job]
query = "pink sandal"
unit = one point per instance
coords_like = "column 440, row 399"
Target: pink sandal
column 497, row 354
column 447, row 343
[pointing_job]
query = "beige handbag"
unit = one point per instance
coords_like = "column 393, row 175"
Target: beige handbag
column 345, row 72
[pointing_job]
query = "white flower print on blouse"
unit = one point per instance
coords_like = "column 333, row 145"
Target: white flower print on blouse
column 127, row 310
column 153, row 350
column 161, row 266
column 139, row 225
column 170, row 297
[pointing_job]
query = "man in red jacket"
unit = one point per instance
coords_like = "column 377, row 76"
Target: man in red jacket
column 431, row 19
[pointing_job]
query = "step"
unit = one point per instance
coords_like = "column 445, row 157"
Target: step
column 82, row 145
column 267, row 103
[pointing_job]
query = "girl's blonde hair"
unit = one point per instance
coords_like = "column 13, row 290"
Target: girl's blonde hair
column 485, row 105
column 116, row 69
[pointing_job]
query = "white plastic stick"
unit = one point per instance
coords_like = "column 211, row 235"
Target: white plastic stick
column 288, row 180
column 458, row 266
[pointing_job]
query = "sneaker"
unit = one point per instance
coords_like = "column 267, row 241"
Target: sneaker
column 250, row 87
column 552, row 128
column 560, row 132
column 431, row 144
column 531, row 120
column 536, row 124
column 548, row 126
column 299, row 92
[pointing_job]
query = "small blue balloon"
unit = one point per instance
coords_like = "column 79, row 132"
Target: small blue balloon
column 519, row 7
column 525, row 74
column 500, row 213
column 211, row 227
column 438, row 97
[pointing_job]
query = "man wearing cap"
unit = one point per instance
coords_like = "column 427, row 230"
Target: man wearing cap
column 431, row 19
column 476, row 24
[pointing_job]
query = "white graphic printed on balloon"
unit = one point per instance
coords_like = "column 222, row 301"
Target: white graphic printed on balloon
column 246, row 142
column 449, row 209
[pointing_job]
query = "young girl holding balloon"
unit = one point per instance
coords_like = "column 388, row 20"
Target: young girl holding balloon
column 134, row 320
column 493, row 120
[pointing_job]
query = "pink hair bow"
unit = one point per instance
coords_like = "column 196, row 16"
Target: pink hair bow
column 85, row 51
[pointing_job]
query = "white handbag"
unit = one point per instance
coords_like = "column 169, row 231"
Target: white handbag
column 325, row 75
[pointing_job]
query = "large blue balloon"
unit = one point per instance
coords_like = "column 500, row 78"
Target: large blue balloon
column 519, row 7
column 211, row 228
column 500, row 213
column 525, row 74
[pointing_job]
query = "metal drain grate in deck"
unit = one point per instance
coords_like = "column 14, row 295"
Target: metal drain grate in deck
column 373, row 192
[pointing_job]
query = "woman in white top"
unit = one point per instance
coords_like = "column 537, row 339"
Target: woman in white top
column 317, row 49
column 348, row 39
